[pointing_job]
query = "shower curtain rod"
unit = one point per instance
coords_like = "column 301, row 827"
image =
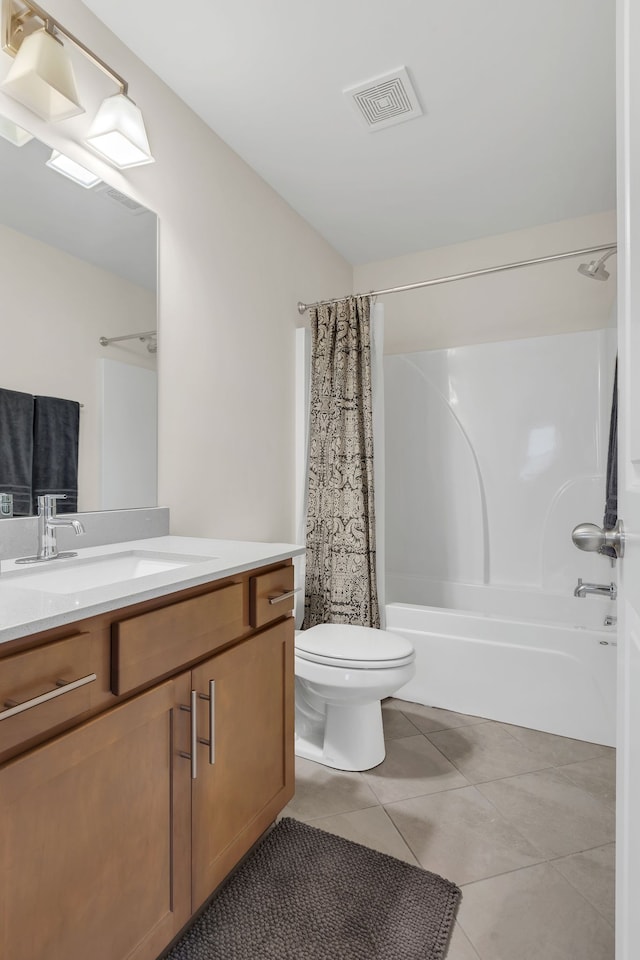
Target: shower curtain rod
column 302, row 307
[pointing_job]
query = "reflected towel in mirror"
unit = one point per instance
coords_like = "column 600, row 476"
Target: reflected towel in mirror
column 56, row 426
column 16, row 448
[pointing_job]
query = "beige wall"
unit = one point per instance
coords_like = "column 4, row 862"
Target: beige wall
column 55, row 308
column 529, row 302
column 234, row 260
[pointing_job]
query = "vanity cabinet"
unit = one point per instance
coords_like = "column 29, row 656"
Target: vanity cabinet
column 95, row 837
column 116, row 830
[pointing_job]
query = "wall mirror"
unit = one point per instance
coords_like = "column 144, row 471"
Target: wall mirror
column 76, row 266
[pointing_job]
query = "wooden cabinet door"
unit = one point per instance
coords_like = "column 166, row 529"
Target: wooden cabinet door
column 236, row 797
column 94, row 836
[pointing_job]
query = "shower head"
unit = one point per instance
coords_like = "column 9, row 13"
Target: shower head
column 596, row 269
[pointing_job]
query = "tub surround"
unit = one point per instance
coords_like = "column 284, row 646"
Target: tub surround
column 498, row 484
column 24, row 610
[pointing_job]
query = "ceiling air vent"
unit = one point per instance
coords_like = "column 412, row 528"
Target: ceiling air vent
column 132, row 206
column 385, row 100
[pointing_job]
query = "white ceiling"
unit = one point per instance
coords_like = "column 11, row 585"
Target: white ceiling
column 519, row 108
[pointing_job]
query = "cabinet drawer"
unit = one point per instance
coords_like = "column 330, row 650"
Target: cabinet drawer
column 155, row 644
column 50, row 685
column 271, row 596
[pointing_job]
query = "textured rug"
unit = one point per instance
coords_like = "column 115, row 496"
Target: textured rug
column 305, row 894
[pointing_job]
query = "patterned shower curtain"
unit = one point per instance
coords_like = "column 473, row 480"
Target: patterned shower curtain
column 340, row 585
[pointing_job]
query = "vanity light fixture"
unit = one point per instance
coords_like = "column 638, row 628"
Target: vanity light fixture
column 42, row 79
column 13, row 133
column 118, row 132
column 72, row 170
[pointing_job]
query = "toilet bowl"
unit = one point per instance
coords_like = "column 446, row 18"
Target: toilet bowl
column 342, row 674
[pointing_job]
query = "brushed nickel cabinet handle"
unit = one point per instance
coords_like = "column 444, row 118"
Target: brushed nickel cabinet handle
column 62, row 687
column 211, row 743
column 284, row 596
column 212, row 722
column 193, row 756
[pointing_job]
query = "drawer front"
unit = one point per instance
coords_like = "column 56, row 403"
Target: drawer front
column 155, row 644
column 43, row 688
column 271, row 596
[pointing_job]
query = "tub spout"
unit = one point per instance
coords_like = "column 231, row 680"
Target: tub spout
column 601, row 589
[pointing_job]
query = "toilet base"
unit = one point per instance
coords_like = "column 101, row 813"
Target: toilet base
column 345, row 737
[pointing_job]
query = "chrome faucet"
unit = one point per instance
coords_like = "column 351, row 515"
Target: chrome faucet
column 47, row 524
column 602, row 589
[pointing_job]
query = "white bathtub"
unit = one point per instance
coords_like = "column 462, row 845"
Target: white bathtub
column 551, row 666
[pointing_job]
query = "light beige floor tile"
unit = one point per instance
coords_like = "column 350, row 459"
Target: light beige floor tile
column 592, row 873
column 459, row 946
column 554, row 750
column 486, row 751
column 461, row 836
column 427, row 719
column 412, row 767
column 597, row 777
column 533, row 914
column 372, row 828
column 323, row 792
column 395, row 723
column 555, row 814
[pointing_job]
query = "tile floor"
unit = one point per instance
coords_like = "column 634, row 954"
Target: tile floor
column 523, row 821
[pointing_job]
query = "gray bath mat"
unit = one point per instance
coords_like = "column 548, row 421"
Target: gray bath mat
column 305, row 894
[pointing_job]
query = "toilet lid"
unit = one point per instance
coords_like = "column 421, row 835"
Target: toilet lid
column 345, row 645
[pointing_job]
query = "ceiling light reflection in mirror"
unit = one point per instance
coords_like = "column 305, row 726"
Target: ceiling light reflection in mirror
column 99, row 225
column 57, row 306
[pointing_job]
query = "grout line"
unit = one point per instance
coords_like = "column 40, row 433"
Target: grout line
column 474, row 949
column 598, row 846
column 402, row 837
column 593, row 905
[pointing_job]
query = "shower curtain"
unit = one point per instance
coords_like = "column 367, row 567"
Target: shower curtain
column 340, row 581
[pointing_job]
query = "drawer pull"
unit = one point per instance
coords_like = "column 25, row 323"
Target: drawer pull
column 284, row 596
column 61, row 688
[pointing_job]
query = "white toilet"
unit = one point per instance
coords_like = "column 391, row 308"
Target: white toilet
column 342, row 674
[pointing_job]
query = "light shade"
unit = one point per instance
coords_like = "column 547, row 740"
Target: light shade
column 74, row 171
column 13, row 133
column 118, row 133
column 41, row 77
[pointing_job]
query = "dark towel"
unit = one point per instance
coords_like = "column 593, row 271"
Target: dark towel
column 611, row 495
column 56, row 426
column 16, row 448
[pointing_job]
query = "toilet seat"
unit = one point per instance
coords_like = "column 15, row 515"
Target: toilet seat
column 353, row 647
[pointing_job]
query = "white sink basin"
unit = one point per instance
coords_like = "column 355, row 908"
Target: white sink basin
column 74, row 576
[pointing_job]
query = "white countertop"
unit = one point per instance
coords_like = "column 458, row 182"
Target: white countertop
column 25, row 610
